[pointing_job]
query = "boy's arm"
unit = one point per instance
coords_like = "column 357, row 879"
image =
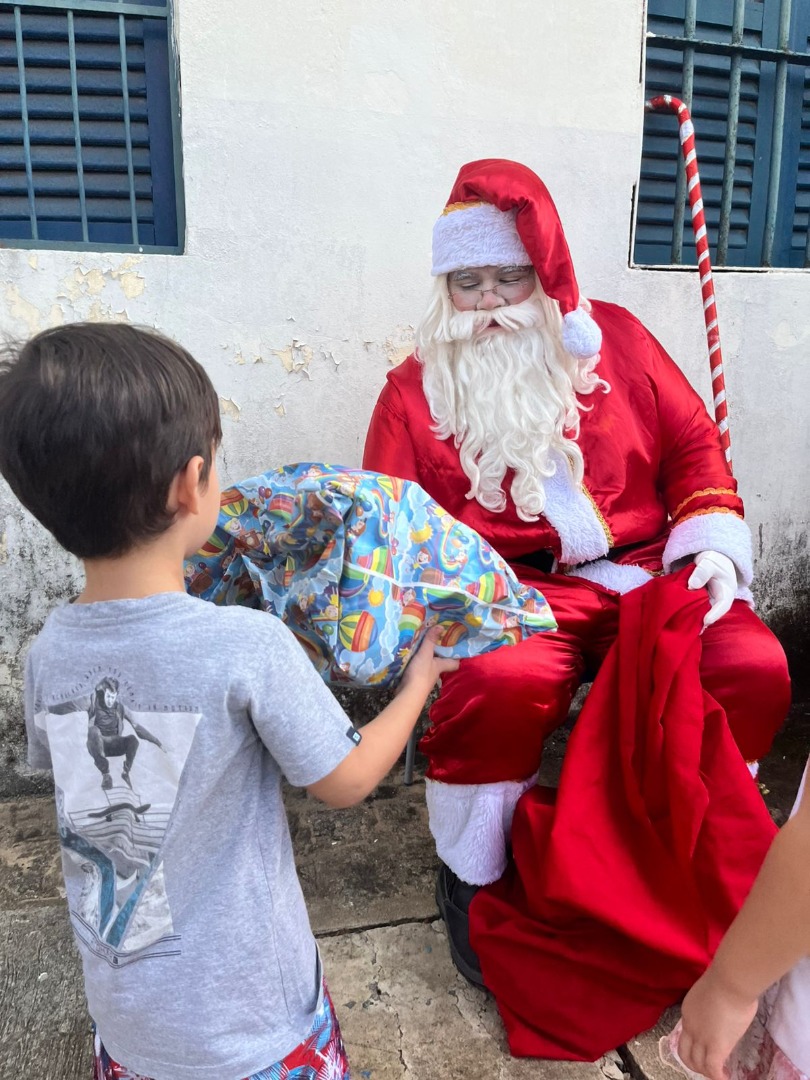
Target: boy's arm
column 307, row 732
column 385, row 737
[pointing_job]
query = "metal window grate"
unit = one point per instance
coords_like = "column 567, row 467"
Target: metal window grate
column 89, row 126
column 742, row 66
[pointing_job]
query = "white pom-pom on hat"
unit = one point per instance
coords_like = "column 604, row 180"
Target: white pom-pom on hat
column 580, row 335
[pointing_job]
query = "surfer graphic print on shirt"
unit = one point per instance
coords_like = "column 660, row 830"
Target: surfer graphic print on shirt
column 117, row 765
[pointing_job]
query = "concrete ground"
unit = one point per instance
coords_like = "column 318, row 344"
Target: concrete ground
column 368, row 874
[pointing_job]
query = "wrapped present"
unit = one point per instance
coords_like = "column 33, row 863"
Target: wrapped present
column 359, row 565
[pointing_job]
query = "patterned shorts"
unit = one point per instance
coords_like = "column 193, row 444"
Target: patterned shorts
column 321, row 1056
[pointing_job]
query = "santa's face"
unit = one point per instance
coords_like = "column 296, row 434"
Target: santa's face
column 499, row 383
column 486, row 288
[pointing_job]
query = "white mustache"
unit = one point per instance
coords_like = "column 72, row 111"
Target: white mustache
column 466, row 325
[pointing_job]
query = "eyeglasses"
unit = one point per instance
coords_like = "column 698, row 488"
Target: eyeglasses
column 517, row 288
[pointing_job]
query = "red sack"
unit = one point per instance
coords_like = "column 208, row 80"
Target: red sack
column 621, row 889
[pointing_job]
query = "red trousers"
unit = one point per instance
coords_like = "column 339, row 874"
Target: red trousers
column 493, row 714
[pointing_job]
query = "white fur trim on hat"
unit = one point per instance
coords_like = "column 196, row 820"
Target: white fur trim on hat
column 477, row 234
column 580, row 335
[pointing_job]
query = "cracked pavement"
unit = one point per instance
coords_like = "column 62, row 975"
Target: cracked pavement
column 368, row 875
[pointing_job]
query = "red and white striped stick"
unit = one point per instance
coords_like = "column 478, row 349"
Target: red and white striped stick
column 686, row 133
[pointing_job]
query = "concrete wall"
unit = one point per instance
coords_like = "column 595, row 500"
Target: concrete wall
column 320, row 140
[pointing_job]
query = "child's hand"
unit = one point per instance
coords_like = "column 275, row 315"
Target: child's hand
column 425, row 668
column 713, row 1021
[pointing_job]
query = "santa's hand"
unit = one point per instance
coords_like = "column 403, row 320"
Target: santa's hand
column 717, row 573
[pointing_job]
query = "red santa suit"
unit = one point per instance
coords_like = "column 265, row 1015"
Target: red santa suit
column 656, row 491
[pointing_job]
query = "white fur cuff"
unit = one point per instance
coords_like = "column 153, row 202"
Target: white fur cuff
column 714, row 531
column 471, row 824
column 621, row 577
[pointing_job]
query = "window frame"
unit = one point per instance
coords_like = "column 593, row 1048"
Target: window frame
column 145, row 10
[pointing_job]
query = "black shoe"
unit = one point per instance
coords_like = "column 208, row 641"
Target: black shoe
column 106, row 781
column 125, row 778
column 453, row 897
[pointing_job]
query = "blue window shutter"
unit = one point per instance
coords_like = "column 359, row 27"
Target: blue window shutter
column 161, row 151
column 794, row 182
column 801, row 210
column 661, row 153
column 101, row 125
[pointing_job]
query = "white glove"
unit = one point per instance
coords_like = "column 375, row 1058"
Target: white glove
column 719, row 575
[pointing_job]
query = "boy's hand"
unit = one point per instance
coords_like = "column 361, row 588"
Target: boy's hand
column 385, row 736
column 425, row 668
column 713, row 1021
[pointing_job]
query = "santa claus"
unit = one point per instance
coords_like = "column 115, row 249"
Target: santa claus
column 561, row 430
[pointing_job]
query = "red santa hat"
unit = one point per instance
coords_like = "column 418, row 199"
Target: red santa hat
column 500, row 214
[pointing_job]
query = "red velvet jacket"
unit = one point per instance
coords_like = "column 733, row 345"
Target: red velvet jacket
column 656, row 487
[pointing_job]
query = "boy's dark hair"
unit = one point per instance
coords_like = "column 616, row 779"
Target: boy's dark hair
column 96, row 419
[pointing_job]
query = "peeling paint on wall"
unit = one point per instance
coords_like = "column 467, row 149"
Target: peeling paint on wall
column 23, row 309
column 93, row 282
column 395, row 354
column 28, row 313
column 82, row 283
column 229, row 408
column 132, row 284
column 104, row 313
column 242, row 360
column 399, row 345
column 296, row 357
column 80, row 295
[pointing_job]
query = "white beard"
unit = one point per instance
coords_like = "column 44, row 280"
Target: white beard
column 507, row 397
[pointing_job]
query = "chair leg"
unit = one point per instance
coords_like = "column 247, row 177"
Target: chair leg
column 410, row 755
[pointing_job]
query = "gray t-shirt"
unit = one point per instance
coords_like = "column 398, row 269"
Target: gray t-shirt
column 168, row 723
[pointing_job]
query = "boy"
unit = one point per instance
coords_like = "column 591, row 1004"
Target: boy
column 199, row 961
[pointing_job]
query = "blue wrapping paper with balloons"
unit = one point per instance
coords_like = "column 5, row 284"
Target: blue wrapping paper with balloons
column 359, row 565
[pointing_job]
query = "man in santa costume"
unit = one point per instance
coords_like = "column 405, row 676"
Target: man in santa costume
column 563, row 432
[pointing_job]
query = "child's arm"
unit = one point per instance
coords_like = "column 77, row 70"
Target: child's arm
column 385, row 737
column 770, row 934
